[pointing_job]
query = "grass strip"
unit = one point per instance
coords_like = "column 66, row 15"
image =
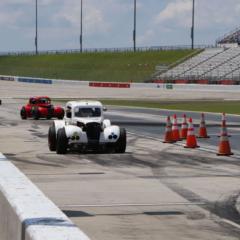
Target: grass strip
column 215, row 106
column 111, row 67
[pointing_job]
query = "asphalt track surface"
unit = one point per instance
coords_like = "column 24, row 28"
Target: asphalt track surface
column 153, row 191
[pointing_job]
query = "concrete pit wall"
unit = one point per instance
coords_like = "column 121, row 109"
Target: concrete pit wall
column 26, row 213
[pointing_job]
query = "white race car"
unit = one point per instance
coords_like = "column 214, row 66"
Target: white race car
column 85, row 129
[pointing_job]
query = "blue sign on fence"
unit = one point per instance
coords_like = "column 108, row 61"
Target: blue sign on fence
column 35, row 80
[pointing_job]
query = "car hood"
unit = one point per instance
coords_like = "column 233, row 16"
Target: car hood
column 88, row 120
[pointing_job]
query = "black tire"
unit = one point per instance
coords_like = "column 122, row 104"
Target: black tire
column 50, row 113
column 36, row 113
column 0, row 102
column 52, row 138
column 121, row 144
column 23, row 113
column 62, row 142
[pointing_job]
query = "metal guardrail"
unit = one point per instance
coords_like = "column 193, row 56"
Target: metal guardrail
column 229, row 34
column 104, row 50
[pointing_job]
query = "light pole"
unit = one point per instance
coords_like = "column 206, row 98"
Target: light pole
column 36, row 36
column 193, row 23
column 134, row 25
column 81, row 27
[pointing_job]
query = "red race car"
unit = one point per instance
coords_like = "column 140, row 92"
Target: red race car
column 41, row 107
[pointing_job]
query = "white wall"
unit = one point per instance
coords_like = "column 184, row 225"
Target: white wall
column 26, row 213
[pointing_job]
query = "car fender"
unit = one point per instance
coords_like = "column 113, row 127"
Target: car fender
column 59, row 124
column 28, row 110
column 106, row 123
column 75, row 134
column 58, row 109
column 111, row 134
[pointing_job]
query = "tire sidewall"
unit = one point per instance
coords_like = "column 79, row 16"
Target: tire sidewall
column 23, row 113
column 122, row 141
column 52, row 139
column 35, row 113
column 62, row 141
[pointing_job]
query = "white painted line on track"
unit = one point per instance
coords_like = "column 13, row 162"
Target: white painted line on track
column 233, row 224
column 174, row 110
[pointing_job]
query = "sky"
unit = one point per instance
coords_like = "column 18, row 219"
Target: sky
column 109, row 23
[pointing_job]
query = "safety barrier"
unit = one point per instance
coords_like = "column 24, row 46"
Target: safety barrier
column 202, row 85
column 207, row 88
column 35, row 80
column 203, row 81
column 7, row 78
column 227, row 82
column 26, row 214
column 70, row 82
column 109, row 85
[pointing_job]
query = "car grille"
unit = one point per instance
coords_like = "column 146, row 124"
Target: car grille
column 93, row 131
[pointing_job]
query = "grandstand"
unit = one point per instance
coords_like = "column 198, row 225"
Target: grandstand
column 219, row 65
column 230, row 38
column 212, row 66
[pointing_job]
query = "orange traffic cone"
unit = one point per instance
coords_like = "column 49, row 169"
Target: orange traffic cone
column 184, row 128
column 175, row 130
column 224, row 145
column 225, row 122
column 191, row 138
column 168, row 132
column 202, row 129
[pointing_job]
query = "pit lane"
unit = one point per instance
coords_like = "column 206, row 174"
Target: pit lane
column 154, row 191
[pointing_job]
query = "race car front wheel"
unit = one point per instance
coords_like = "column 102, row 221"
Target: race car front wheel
column 23, row 113
column 122, row 141
column 62, row 142
column 52, row 138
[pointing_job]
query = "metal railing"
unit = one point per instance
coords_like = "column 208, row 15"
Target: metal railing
column 231, row 34
column 104, row 50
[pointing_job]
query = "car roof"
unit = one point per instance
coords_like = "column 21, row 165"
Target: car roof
column 39, row 97
column 84, row 103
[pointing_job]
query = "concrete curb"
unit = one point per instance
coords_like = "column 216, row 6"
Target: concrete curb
column 26, row 213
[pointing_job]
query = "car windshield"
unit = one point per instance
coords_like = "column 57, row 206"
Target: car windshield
column 87, row 112
column 44, row 100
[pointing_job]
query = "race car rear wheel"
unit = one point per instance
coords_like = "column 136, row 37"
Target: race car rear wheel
column 122, row 141
column 23, row 113
column 62, row 142
column 52, row 138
